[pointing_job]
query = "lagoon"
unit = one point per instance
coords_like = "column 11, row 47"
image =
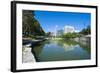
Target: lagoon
column 60, row 50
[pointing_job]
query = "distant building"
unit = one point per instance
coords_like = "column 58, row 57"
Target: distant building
column 52, row 34
column 69, row 29
column 59, row 32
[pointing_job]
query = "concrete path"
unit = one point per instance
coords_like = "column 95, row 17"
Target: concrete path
column 27, row 56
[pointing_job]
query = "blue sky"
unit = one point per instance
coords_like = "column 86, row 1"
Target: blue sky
column 50, row 19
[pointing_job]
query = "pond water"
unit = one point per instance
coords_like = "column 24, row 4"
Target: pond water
column 60, row 50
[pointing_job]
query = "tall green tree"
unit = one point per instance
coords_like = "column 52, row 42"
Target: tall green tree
column 86, row 31
column 31, row 26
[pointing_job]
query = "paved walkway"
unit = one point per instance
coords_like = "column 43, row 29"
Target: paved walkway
column 27, row 56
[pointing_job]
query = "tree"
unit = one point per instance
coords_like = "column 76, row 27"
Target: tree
column 31, row 26
column 48, row 34
column 70, row 35
column 86, row 31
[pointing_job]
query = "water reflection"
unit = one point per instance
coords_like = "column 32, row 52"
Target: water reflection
column 60, row 50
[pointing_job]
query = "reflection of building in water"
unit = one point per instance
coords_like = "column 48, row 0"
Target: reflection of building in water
column 69, row 47
column 69, row 29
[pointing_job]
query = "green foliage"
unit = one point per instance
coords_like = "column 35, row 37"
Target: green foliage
column 70, row 35
column 86, row 31
column 31, row 27
column 48, row 34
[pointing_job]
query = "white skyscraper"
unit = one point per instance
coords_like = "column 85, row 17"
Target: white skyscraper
column 69, row 29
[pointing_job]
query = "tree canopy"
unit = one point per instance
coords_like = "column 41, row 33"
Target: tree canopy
column 31, row 26
column 86, row 31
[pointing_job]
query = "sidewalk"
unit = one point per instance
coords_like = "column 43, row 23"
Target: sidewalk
column 27, row 56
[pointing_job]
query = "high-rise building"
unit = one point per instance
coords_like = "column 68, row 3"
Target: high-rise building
column 69, row 29
column 59, row 32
